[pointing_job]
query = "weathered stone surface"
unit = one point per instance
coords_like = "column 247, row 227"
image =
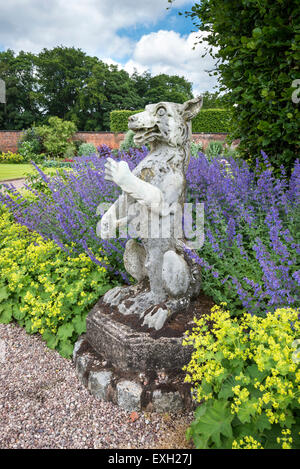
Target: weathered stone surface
column 134, row 391
column 77, row 347
column 82, row 363
column 175, row 274
column 166, row 401
column 98, row 382
column 134, row 260
column 129, row 395
column 129, row 350
column 151, row 207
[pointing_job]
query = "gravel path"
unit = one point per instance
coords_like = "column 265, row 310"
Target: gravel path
column 18, row 183
column 43, row 405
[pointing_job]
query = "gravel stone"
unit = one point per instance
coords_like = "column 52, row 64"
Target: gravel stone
column 43, row 405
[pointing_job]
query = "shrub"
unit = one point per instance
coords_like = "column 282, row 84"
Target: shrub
column 86, row 149
column 208, row 120
column 251, row 245
column 69, row 152
column 196, row 147
column 256, row 44
column 214, row 149
column 56, row 136
column 31, row 135
column 10, row 157
column 44, row 288
column 27, row 150
column 246, row 374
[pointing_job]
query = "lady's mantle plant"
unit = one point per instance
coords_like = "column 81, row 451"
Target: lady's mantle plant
column 246, row 375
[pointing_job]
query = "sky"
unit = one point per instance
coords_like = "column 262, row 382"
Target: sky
column 134, row 34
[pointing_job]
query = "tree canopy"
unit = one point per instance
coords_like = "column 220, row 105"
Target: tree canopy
column 67, row 83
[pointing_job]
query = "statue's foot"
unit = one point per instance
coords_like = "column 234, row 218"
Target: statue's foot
column 117, row 295
column 156, row 318
column 137, row 304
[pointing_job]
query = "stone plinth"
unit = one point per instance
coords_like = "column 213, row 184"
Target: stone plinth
column 133, row 351
column 131, row 369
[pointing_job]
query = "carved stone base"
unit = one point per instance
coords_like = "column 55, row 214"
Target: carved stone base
column 130, row 368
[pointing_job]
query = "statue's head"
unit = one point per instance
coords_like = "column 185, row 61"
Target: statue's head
column 165, row 122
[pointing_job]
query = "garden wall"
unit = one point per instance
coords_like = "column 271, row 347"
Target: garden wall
column 9, row 139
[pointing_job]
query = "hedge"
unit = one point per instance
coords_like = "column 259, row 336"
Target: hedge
column 212, row 120
column 119, row 120
column 208, row 120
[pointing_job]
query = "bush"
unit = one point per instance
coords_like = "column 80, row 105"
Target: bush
column 251, row 245
column 256, row 44
column 27, row 150
column 31, row 135
column 44, row 288
column 119, row 120
column 214, row 149
column 246, row 374
column 86, row 149
column 208, row 120
column 57, row 136
column 10, row 157
column 196, row 147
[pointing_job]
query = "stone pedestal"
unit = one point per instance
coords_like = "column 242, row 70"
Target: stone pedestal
column 132, row 369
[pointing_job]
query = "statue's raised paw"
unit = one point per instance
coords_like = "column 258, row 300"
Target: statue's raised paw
column 116, row 171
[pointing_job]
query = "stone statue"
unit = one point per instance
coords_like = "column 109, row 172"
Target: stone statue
column 155, row 190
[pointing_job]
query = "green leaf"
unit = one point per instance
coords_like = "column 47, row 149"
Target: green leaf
column 65, row 331
column 17, row 314
column 65, row 348
column 226, row 390
column 4, row 293
column 214, row 423
column 263, row 423
column 79, row 324
column 51, row 339
column 6, row 315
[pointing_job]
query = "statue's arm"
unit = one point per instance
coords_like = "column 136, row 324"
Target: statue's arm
column 144, row 192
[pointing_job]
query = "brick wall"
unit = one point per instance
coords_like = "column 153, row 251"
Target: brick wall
column 9, row 139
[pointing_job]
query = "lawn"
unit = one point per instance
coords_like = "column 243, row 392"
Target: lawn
column 15, row 171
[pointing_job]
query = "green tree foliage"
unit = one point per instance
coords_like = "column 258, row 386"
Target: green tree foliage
column 21, row 108
column 67, row 83
column 214, row 100
column 257, row 45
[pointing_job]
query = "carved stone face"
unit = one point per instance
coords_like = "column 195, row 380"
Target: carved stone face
column 164, row 122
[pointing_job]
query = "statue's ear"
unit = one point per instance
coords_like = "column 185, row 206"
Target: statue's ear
column 191, row 108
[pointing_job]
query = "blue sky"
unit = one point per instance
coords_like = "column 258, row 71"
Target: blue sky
column 133, row 34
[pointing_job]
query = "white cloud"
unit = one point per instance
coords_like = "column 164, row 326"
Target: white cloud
column 168, row 52
column 92, row 25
